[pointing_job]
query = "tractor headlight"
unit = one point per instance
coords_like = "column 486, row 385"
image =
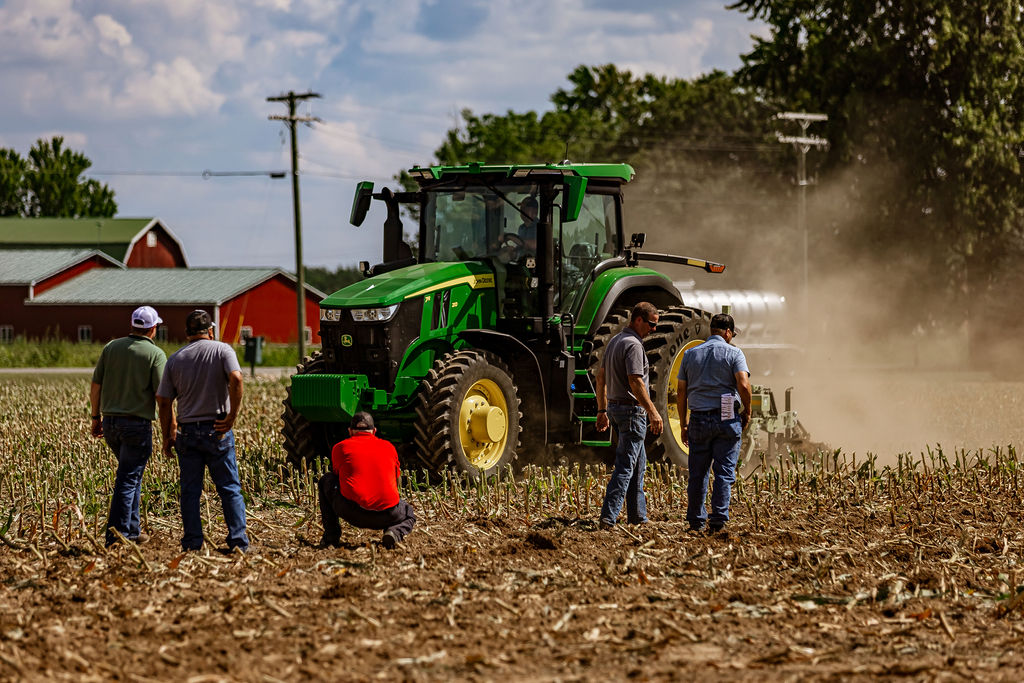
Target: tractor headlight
column 374, row 315
column 330, row 314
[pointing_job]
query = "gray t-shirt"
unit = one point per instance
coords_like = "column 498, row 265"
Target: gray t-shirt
column 197, row 375
column 625, row 356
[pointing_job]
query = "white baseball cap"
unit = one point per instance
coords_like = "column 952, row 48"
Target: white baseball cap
column 145, row 317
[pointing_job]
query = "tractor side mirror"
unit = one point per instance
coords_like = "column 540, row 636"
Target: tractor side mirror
column 361, row 203
column 575, row 189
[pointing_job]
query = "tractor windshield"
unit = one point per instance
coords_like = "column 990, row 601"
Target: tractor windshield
column 480, row 221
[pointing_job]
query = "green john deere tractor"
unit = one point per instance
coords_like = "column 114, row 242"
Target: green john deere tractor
column 482, row 343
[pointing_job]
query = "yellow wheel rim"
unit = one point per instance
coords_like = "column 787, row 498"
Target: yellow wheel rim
column 675, row 425
column 483, row 424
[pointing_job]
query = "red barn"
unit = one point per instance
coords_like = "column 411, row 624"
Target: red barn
column 96, row 305
column 27, row 273
column 135, row 242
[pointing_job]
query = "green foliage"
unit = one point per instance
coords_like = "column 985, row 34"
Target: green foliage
column 924, row 96
column 12, row 183
column 704, row 150
column 50, row 184
column 328, row 281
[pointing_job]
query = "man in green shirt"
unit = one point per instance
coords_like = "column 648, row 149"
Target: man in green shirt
column 123, row 398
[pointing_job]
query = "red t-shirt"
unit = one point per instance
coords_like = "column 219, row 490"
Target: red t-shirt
column 368, row 471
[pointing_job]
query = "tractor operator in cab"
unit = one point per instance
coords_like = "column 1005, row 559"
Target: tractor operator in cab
column 362, row 487
column 713, row 383
column 623, row 399
column 528, row 229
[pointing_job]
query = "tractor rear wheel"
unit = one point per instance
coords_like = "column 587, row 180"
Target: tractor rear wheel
column 304, row 441
column 679, row 328
column 468, row 415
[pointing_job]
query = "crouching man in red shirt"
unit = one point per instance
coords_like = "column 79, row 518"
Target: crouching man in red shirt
column 362, row 487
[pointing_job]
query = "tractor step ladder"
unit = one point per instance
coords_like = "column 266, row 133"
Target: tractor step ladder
column 587, row 394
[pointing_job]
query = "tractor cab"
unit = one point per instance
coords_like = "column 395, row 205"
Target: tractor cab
column 541, row 229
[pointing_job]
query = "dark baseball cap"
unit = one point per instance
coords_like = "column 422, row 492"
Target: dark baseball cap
column 723, row 321
column 361, row 422
column 198, row 321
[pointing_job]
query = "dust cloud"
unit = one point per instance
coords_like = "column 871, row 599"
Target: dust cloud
column 882, row 362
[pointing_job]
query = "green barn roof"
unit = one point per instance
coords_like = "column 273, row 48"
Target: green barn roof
column 113, row 236
column 29, row 266
column 160, row 286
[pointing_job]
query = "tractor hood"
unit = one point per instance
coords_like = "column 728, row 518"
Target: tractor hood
column 396, row 286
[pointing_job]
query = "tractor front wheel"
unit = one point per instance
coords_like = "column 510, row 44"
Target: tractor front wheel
column 304, row 441
column 468, row 415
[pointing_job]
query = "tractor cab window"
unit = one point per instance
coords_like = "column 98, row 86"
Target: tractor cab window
column 584, row 243
column 477, row 222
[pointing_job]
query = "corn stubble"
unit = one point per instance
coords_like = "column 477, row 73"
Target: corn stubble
column 832, row 565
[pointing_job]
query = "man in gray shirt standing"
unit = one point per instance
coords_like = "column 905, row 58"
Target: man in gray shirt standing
column 205, row 378
column 623, row 399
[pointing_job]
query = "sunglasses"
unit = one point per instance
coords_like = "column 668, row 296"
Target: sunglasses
column 653, row 326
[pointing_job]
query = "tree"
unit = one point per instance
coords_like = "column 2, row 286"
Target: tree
column 12, row 183
column 328, row 281
column 50, row 184
column 709, row 167
column 926, row 111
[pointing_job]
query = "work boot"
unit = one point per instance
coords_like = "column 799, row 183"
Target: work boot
column 329, row 542
column 604, row 525
column 140, row 539
column 389, row 540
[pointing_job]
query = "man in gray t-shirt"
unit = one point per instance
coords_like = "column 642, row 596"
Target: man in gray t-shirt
column 623, row 400
column 206, row 380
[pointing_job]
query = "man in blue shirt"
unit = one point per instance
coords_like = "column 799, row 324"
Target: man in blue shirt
column 713, row 382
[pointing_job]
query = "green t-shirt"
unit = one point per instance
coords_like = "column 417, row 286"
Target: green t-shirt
column 129, row 372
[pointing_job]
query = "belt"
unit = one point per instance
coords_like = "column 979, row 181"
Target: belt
column 705, row 412
column 130, row 418
column 627, row 402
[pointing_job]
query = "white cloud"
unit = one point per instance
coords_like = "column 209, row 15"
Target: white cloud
column 183, row 84
column 177, row 87
column 111, row 30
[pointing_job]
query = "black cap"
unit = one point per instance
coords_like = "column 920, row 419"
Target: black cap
column 361, row 422
column 723, row 321
column 197, row 321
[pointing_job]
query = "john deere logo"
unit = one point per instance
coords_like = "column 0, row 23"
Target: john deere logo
column 346, row 340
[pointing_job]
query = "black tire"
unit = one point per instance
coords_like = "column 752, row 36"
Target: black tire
column 679, row 327
column 304, row 441
column 453, row 385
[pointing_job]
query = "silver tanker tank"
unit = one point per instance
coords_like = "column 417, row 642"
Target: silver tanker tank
column 762, row 319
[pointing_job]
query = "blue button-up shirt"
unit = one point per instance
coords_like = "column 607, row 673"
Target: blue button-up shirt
column 709, row 371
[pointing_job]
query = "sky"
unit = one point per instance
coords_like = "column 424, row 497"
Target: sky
column 156, row 93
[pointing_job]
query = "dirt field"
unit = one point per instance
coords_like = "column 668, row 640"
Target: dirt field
column 831, row 569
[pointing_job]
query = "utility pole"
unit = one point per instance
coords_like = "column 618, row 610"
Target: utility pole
column 803, row 143
column 292, row 98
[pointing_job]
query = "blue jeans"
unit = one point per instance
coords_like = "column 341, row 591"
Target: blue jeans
column 199, row 447
column 714, row 446
column 627, row 480
column 131, row 439
column 398, row 519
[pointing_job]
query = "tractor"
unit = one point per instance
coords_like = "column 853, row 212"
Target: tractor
column 480, row 343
